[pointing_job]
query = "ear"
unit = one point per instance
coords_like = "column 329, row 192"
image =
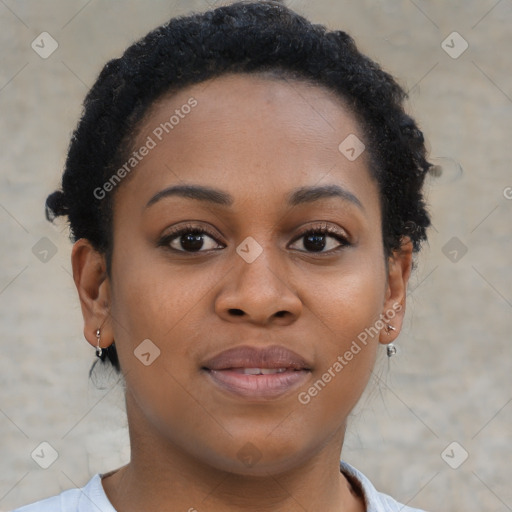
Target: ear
column 93, row 286
column 399, row 270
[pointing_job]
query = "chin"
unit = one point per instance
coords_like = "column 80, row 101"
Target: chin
column 259, row 458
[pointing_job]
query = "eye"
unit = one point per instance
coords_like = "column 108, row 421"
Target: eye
column 190, row 239
column 319, row 238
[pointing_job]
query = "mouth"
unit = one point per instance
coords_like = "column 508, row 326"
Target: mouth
column 257, row 373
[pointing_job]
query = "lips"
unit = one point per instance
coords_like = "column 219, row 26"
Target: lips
column 245, row 357
column 257, row 373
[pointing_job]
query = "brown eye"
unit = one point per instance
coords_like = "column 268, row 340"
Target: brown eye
column 190, row 239
column 318, row 239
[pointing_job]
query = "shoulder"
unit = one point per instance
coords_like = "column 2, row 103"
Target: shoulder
column 375, row 501
column 90, row 498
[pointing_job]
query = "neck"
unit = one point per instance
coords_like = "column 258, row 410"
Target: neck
column 161, row 476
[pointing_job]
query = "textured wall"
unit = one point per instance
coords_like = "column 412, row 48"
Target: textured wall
column 450, row 382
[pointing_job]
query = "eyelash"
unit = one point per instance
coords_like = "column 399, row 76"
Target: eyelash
column 195, row 230
column 324, row 230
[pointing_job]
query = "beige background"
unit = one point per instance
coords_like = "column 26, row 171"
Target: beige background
column 450, row 382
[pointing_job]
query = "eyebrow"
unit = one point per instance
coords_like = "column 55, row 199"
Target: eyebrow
column 297, row 196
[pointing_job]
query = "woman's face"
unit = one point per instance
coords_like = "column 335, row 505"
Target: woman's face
column 247, row 280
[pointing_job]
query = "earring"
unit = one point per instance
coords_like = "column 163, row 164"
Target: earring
column 99, row 351
column 390, row 328
column 390, row 349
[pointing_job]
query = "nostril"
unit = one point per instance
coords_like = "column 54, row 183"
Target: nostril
column 236, row 312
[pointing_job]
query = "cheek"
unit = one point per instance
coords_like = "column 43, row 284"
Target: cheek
column 154, row 301
column 346, row 311
column 349, row 299
column 151, row 299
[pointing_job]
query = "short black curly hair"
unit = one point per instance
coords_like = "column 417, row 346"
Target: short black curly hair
column 244, row 37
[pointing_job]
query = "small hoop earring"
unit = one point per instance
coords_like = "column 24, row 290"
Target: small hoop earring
column 99, row 351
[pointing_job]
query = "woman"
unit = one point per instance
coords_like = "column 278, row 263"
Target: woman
column 244, row 191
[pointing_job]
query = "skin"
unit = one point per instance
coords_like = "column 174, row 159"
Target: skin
column 186, row 434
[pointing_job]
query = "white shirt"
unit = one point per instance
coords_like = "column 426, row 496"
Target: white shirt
column 92, row 497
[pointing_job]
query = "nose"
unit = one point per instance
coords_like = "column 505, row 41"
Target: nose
column 258, row 292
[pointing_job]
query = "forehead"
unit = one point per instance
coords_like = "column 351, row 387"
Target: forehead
column 251, row 134
column 297, row 104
